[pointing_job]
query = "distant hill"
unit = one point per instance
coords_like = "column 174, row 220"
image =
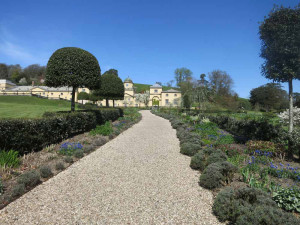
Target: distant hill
column 144, row 87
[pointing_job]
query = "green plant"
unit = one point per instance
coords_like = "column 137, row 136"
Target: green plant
column 29, row 179
column 18, row 190
column 249, row 206
column 50, row 148
column 189, row 149
column 206, row 157
column 73, row 67
column 99, row 141
column 237, row 160
column 68, row 159
column 225, row 139
column 78, row 153
column 9, row 159
column 88, row 148
column 217, row 174
column 264, row 147
column 105, row 129
column 59, row 166
column 53, row 128
column 45, row 171
column 1, row 186
column 288, row 199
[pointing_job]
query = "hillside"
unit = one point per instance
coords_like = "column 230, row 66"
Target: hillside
column 29, row 107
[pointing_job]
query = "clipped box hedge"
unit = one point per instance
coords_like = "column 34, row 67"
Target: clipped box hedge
column 26, row 135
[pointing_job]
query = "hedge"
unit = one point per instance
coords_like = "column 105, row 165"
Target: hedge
column 27, row 135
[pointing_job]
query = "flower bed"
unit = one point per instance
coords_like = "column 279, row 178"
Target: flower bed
column 21, row 174
column 258, row 165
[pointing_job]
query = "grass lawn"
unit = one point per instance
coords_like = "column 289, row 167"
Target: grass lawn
column 29, row 107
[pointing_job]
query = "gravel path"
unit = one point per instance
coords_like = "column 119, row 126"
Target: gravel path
column 137, row 178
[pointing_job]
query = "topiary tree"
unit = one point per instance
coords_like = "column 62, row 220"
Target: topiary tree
column 83, row 96
column 279, row 33
column 111, row 87
column 73, row 67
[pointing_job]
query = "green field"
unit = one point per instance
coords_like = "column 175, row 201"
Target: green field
column 29, row 107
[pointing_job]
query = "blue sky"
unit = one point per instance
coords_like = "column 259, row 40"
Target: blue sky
column 145, row 40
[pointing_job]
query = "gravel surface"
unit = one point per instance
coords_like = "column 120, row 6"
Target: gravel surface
column 137, row 178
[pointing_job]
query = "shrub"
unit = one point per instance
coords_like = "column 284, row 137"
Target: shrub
column 26, row 135
column 59, row 166
column 78, row 153
column 189, row 149
column 217, row 174
column 45, row 171
column 9, row 159
column 29, row 179
column 69, row 148
column 100, row 141
column 18, row 190
column 68, row 159
column 88, row 148
column 249, row 206
column 104, row 130
column 206, row 157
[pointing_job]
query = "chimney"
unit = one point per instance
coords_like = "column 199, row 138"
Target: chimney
column 32, row 83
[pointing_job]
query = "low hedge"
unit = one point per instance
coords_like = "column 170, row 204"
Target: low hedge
column 26, row 135
column 217, row 175
column 247, row 206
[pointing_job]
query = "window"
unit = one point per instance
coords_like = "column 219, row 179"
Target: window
column 51, row 93
column 61, row 93
column 167, row 95
column 167, row 101
column 175, row 102
column 83, row 90
column 175, row 95
column 155, row 91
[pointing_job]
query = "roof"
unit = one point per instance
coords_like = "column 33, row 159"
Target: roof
column 4, row 81
column 45, row 88
column 156, row 86
column 171, row 91
column 128, row 80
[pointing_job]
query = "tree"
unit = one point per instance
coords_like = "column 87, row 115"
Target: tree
column 94, row 97
column 182, row 75
column 221, row 82
column 73, row 67
column 83, row 96
column 296, row 99
column 269, row 96
column 143, row 98
column 186, row 102
column 201, row 92
column 3, row 71
column 34, row 72
column 112, row 87
column 280, row 44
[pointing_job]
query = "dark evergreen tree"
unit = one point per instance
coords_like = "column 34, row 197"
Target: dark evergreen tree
column 73, row 67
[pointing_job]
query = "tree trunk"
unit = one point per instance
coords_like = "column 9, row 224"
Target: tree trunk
column 290, row 153
column 73, row 99
column 107, row 103
column 291, row 118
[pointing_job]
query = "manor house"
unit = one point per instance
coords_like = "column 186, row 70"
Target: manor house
column 168, row 98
